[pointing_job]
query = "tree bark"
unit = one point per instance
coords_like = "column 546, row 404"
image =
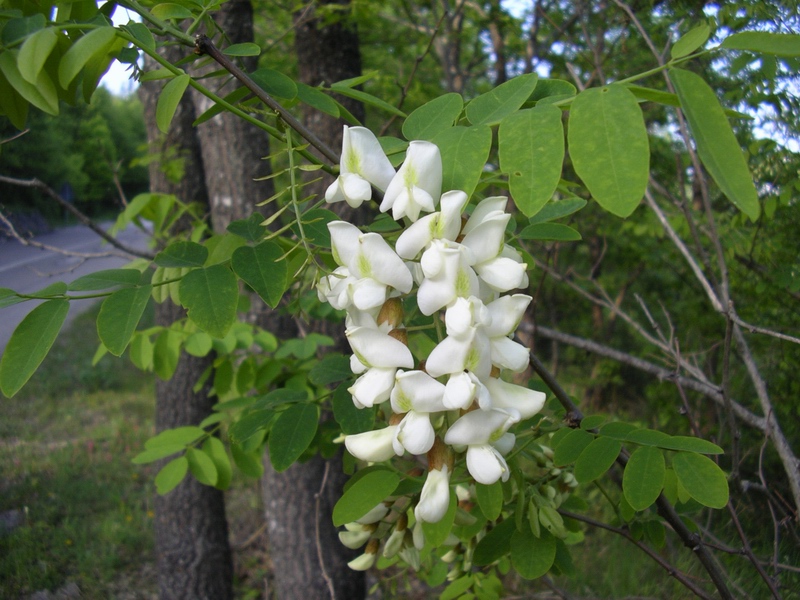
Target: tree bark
column 309, row 561
column 193, row 557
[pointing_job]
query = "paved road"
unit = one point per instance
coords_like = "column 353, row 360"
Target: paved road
column 25, row 269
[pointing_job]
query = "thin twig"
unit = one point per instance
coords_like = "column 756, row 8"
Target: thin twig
column 318, row 516
column 48, row 191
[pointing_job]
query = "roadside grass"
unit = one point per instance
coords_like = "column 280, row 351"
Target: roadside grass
column 65, row 446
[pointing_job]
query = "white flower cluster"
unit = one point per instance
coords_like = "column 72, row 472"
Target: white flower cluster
column 454, row 264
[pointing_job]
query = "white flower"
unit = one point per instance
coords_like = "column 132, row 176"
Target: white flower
column 374, row 515
column 363, row 165
column 373, row 387
column 447, row 275
column 435, row 498
column 478, row 430
column 505, row 316
column 354, row 539
column 462, row 388
column 416, row 394
column 442, row 225
column 508, row 396
column 371, row 262
column 374, row 348
column 466, row 347
column 417, row 185
column 372, row 446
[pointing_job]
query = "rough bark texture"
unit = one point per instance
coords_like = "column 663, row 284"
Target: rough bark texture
column 309, row 561
column 232, row 148
column 193, row 555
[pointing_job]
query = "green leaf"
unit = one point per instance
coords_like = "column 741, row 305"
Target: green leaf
column 367, row 99
column 215, row 450
column 261, row 268
column 250, row 229
column 465, row 151
column 102, row 280
column 617, row 430
column 550, row 231
column 457, row 588
column 315, row 226
column 691, row 444
column 171, row 475
column 557, row 209
column 169, row 10
column 179, row 436
column 217, row 108
column 532, row 155
column 593, row 422
column 364, row 495
column 12, row 104
column 317, row 99
column 432, row 118
column 34, row 53
column 691, row 41
column 331, row 369
column 490, row 499
column 716, row 144
column 495, row 544
column 350, row 418
column 119, row 315
column 198, row 344
column 647, row 437
column 643, row 478
column 532, row 556
column 292, row 434
column 19, row 28
column 558, row 88
column 609, row 147
column 596, row 459
column 9, row 297
column 201, row 466
column 251, row 424
column 142, row 33
column 249, row 463
column 166, row 353
column 81, row 52
column 702, row 478
column 30, row 343
column 570, row 447
column 245, row 49
column 275, row 83
column 492, row 107
column 211, row 296
column 42, row 95
column 150, row 456
column 437, row 533
column 779, row 44
column 168, row 101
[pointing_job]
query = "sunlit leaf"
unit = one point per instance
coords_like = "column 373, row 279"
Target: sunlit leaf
column 433, row 117
column 779, row 44
column 168, row 101
column 171, row 475
column 464, row 153
column 691, row 41
column 493, row 106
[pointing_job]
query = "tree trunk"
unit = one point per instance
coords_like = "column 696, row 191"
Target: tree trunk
column 309, row 561
column 193, row 556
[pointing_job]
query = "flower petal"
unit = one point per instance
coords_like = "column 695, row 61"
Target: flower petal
column 479, row 426
column 376, row 349
column 373, row 387
column 415, row 433
column 508, row 354
column 372, row 446
column 508, row 396
column 417, row 391
column 362, row 154
column 486, row 465
column 484, row 208
column 435, row 497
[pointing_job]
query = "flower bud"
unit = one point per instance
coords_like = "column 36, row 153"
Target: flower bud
column 401, row 335
column 366, row 560
column 391, row 312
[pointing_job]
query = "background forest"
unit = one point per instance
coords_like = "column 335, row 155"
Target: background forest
column 619, row 314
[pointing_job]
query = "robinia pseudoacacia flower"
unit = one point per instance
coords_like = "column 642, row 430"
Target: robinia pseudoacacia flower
column 451, row 404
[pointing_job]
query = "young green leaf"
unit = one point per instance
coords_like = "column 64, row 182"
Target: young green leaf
column 167, row 10
column 532, row 556
column 464, row 153
column 550, row 232
column 166, row 353
column 141, row 352
column 643, row 477
column 291, row 435
column 317, row 99
column 778, row 44
column 215, row 450
column 702, row 478
column 171, row 475
column 249, row 463
column 34, row 53
column 42, row 95
column 532, row 154
column 492, row 107
column 168, row 101
column 275, row 83
column 30, row 343
column 261, row 268
column 716, row 144
column 364, row 495
column 433, row 117
column 119, row 316
column 180, row 436
column 81, row 52
column 609, row 147
column 596, row 459
column 691, row 41
column 245, row 49
column 490, row 499
column 210, row 296
column 367, row 99
column 201, row 466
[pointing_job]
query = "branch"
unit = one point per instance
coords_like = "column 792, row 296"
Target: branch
column 48, row 191
column 672, row 571
column 203, row 45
